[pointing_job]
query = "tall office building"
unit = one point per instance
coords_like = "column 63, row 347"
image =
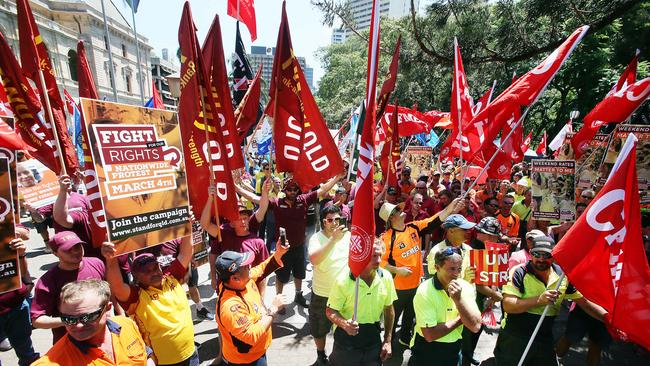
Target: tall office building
column 261, row 55
column 362, row 11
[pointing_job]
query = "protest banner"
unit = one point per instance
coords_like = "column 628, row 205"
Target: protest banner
column 140, row 172
column 420, row 159
column 9, row 268
column 642, row 132
column 589, row 164
column 491, row 264
column 199, row 245
column 553, row 189
column 38, row 186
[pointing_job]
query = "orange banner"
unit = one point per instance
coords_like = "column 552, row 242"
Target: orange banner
column 491, row 265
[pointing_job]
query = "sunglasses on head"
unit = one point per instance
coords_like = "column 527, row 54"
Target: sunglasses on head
column 541, row 255
column 449, row 251
column 84, row 318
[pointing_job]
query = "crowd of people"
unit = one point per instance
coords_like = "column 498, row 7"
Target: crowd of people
column 417, row 292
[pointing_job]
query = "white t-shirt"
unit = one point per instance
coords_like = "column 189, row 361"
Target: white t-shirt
column 336, row 262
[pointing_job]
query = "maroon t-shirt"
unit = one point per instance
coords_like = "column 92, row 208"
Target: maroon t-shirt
column 248, row 243
column 48, row 288
column 11, row 299
column 421, row 215
column 428, row 205
column 79, row 211
column 293, row 217
column 345, row 210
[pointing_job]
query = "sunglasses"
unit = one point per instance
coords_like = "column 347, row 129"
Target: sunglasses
column 449, row 251
column 331, row 220
column 84, row 318
column 541, row 255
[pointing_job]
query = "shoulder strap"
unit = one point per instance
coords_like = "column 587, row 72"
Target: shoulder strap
column 391, row 260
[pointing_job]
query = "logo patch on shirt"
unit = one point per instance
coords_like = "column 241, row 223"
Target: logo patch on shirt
column 414, row 236
column 235, row 308
column 401, row 245
column 241, row 321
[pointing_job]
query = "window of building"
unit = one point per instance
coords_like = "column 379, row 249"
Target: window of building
column 72, row 64
column 124, row 50
column 127, row 78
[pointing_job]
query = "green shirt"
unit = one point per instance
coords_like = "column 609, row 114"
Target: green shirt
column 433, row 306
column 332, row 266
column 372, row 299
column 521, row 210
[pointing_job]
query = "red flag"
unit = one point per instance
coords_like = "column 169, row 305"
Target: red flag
column 411, row 122
column 244, row 11
column 603, row 253
column 9, row 139
column 512, row 146
column 615, row 108
column 87, row 88
column 440, row 119
column 391, row 79
column 303, row 142
column 460, row 110
column 628, row 76
column 27, row 106
column 524, row 92
column 526, row 145
column 215, row 66
column 541, row 148
column 157, row 100
column 501, row 165
column 390, row 153
column 246, row 112
column 5, row 107
column 196, row 145
column 34, row 60
column 363, row 224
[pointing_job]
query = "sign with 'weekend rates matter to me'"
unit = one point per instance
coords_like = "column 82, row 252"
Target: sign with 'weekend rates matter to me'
column 141, row 173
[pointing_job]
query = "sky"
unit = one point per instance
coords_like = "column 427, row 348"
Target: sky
column 158, row 20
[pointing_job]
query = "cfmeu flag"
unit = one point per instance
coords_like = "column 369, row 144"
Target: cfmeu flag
column 363, row 224
column 603, row 253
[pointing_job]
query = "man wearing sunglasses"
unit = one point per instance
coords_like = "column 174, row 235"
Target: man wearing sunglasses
column 94, row 337
column 444, row 305
column 530, row 288
column 158, row 302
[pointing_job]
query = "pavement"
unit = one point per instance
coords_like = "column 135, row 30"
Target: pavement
column 292, row 345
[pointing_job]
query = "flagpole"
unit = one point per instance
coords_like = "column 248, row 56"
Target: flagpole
column 207, row 140
column 257, row 127
column 110, row 54
column 356, row 299
column 460, row 126
column 137, row 54
column 539, row 324
column 345, row 124
column 48, row 106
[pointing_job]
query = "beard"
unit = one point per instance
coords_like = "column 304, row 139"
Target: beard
column 541, row 266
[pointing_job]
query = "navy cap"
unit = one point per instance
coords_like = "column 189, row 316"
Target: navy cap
column 229, row 262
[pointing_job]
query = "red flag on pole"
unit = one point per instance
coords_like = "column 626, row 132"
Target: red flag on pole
column 363, row 224
column 244, row 11
column 524, row 92
column 390, row 154
column 526, row 145
column 411, row 122
column 303, row 142
column 27, row 106
column 11, row 140
column 201, row 147
column 247, row 111
column 541, row 148
column 157, row 100
column 215, row 66
column 87, row 88
column 35, row 60
column 391, row 79
column 603, row 253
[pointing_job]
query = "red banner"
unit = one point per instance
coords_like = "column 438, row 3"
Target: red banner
column 526, row 144
column 244, row 11
column 541, row 148
column 199, row 146
column 390, row 153
column 410, row 121
column 35, row 60
column 302, row 139
column 87, row 88
column 391, row 79
column 247, row 111
column 603, row 253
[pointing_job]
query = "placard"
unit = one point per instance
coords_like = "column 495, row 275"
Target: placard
column 38, row 186
column 420, row 159
column 12, row 156
column 9, row 268
column 199, row 245
column 588, row 165
column 642, row 132
column 491, row 266
column 553, row 189
column 140, row 172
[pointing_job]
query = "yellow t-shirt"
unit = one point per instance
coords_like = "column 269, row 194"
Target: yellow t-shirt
column 329, row 269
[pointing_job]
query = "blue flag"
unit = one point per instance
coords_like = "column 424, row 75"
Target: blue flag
column 431, row 139
column 149, row 103
column 264, row 145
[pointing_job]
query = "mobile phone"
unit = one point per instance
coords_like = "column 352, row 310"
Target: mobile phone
column 283, row 236
column 343, row 221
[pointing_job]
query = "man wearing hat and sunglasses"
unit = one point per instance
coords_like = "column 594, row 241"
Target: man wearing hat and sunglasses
column 530, row 289
column 157, row 302
column 244, row 320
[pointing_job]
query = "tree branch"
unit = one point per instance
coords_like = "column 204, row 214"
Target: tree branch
column 418, row 38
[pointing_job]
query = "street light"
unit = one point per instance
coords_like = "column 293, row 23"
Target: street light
column 174, row 81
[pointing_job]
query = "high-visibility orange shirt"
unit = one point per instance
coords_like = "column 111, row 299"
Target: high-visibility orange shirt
column 239, row 313
column 128, row 348
column 404, row 249
column 509, row 224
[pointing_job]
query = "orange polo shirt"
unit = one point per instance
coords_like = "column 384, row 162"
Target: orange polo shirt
column 509, row 224
column 128, row 348
column 405, row 249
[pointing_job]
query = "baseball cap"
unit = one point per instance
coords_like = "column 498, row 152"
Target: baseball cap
column 392, row 191
column 489, row 225
column 141, row 260
column 65, row 240
column 437, row 172
column 289, row 182
column 543, row 244
column 534, row 234
column 387, row 209
column 457, row 220
column 523, row 182
column 229, row 262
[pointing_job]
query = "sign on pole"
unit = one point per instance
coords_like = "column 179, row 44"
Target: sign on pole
column 140, row 171
column 553, row 189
